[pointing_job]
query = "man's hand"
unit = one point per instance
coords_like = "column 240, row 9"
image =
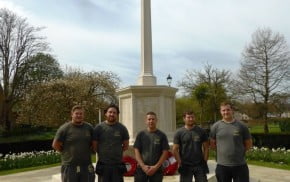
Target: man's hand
column 145, row 168
column 152, row 170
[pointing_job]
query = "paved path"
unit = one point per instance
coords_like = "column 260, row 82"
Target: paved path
column 257, row 173
column 42, row 175
column 265, row 174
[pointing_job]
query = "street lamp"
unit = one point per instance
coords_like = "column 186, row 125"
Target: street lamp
column 169, row 80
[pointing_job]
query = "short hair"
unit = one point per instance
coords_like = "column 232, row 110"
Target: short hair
column 187, row 113
column 226, row 103
column 151, row 113
column 76, row 107
column 112, row 106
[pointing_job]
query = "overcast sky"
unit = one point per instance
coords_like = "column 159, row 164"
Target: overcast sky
column 105, row 35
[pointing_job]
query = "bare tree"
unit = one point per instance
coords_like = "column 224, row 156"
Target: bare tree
column 18, row 42
column 265, row 68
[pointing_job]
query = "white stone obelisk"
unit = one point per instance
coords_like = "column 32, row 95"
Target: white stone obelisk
column 136, row 100
column 146, row 77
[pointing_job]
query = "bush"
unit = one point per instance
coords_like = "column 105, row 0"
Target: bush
column 271, row 140
column 24, row 129
column 285, row 125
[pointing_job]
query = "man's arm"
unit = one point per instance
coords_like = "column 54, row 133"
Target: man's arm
column 213, row 144
column 140, row 161
column 205, row 149
column 94, row 145
column 153, row 169
column 57, row 145
column 125, row 145
column 175, row 151
column 248, row 144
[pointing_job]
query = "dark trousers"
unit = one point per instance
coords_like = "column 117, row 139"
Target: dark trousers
column 141, row 176
column 110, row 173
column 235, row 173
column 188, row 172
column 73, row 173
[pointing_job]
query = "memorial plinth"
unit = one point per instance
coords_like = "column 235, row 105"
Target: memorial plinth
column 136, row 101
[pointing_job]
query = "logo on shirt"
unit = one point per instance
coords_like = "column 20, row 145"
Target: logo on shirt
column 236, row 133
column 157, row 141
column 117, row 134
column 196, row 138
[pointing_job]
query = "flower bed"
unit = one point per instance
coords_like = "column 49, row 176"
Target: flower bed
column 28, row 159
column 279, row 155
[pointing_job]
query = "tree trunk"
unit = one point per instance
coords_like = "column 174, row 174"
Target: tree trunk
column 5, row 116
column 266, row 128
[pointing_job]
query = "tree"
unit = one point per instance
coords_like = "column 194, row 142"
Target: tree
column 217, row 81
column 18, row 42
column 265, row 68
column 183, row 104
column 40, row 68
column 201, row 94
column 49, row 103
column 280, row 103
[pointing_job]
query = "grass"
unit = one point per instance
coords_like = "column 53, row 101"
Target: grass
column 273, row 128
column 13, row 171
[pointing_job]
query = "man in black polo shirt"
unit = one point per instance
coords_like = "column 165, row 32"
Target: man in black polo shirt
column 151, row 150
column 190, row 149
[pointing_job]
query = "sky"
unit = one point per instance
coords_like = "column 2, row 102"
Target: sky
column 105, row 35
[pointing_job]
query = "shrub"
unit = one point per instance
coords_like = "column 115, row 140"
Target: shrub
column 285, row 125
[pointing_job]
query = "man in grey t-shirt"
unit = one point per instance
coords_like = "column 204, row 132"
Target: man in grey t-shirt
column 75, row 141
column 151, row 150
column 231, row 139
column 112, row 139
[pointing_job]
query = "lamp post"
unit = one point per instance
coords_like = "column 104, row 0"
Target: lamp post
column 169, row 80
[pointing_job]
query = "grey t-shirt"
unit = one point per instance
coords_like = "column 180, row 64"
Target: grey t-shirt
column 230, row 139
column 110, row 140
column 151, row 145
column 190, row 144
column 76, row 143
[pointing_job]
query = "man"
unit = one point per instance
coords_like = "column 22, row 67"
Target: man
column 231, row 138
column 151, row 150
column 112, row 139
column 75, row 141
column 190, row 148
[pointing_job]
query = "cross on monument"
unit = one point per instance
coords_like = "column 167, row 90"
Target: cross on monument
column 146, row 77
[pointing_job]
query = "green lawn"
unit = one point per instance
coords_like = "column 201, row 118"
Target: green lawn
column 273, row 128
column 13, row 171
